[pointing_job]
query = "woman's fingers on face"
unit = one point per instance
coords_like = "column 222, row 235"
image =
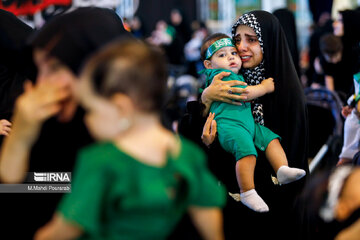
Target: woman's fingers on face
column 4, row 133
column 49, row 111
column 6, row 129
column 54, row 96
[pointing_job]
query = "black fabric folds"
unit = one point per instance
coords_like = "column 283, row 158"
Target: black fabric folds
column 287, row 21
column 74, row 36
column 351, row 20
column 13, row 34
column 285, row 113
column 344, row 70
column 71, row 37
column 285, row 110
column 14, row 62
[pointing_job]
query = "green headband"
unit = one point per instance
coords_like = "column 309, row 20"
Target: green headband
column 217, row 45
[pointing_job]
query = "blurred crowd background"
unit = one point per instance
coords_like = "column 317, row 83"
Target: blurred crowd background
column 179, row 27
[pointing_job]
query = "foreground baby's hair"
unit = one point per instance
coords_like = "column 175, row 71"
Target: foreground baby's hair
column 132, row 67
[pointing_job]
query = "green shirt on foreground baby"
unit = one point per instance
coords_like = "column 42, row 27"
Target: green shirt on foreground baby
column 139, row 181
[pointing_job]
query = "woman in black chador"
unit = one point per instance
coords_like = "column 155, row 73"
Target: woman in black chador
column 13, row 63
column 48, row 127
column 287, row 21
column 262, row 47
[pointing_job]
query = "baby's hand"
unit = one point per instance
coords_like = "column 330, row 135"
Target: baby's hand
column 346, row 110
column 5, row 127
column 268, row 84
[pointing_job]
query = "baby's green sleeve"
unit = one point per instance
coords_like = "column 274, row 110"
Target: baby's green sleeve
column 84, row 204
column 207, row 190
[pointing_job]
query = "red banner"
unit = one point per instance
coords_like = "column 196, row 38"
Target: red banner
column 29, row 7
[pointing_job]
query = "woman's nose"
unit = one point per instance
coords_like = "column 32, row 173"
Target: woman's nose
column 242, row 46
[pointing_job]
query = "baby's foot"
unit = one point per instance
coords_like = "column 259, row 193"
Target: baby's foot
column 286, row 174
column 253, row 201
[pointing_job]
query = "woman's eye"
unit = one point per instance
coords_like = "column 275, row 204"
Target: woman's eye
column 237, row 40
column 252, row 40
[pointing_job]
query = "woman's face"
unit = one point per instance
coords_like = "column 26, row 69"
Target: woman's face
column 50, row 69
column 248, row 46
column 338, row 26
column 175, row 17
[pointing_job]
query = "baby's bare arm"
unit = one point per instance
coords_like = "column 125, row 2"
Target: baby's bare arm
column 265, row 87
column 58, row 229
column 208, row 221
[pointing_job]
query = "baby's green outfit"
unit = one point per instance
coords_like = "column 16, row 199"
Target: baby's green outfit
column 115, row 196
column 237, row 131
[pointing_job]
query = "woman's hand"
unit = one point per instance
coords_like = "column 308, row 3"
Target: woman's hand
column 346, row 110
column 343, row 161
column 5, row 127
column 209, row 130
column 223, row 91
column 38, row 103
column 41, row 101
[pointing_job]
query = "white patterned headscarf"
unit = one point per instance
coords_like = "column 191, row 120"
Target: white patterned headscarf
column 256, row 75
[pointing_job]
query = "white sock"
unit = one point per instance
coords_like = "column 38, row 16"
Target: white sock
column 286, row 174
column 253, row 201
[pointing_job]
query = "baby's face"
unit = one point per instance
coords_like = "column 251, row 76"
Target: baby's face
column 102, row 115
column 227, row 58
